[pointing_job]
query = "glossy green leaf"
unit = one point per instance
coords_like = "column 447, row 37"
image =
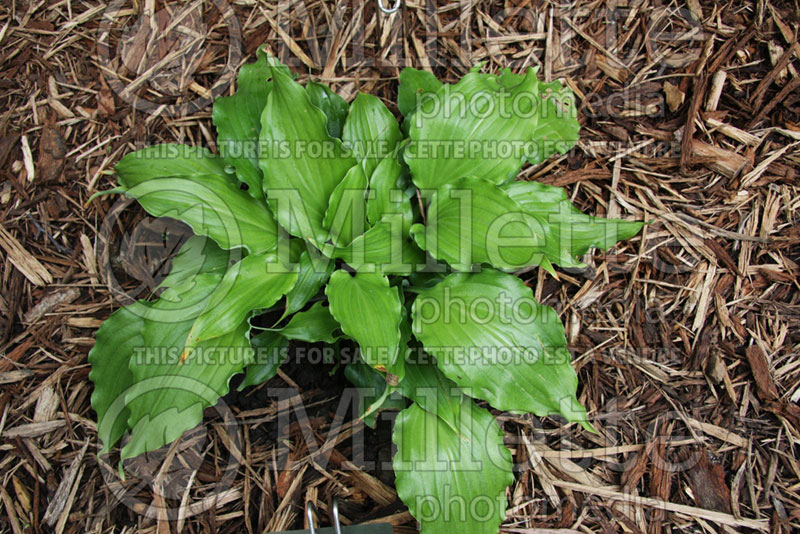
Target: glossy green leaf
column 290, row 249
column 570, row 233
column 312, row 273
column 116, row 340
column 516, row 225
column 346, row 216
column 199, row 254
column 301, row 162
column 168, row 397
column 191, row 185
column 388, row 194
column 314, row 325
column 332, row 105
column 255, row 283
column 415, row 87
column 181, row 302
column 371, row 131
column 169, row 393
column 472, row 221
column 169, row 319
column 557, row 127
column 431, row 390
column 449, row 478
column 383, row 248
column 168, row 159
column 370, row 311
column 487, row 126
column 491, row 337
column 120, row 337
column 238, row 121
column 270, row 350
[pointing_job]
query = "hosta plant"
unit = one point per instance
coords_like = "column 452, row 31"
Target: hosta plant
column 322, row 221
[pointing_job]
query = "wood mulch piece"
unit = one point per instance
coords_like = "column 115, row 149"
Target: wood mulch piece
column 686, row 337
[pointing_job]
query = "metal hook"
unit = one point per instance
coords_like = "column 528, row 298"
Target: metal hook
column 337, row 526
column 389, row 11
column 310, row 511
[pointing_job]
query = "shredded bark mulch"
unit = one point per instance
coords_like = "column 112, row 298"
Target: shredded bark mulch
column 685, row 338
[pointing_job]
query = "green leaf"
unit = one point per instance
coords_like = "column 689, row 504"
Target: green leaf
column 116, row 340
column 238, row 121
column 487, row 126
column 491, row 337
column 371, row 387
column 370, row 311
column 383, row 247
column 431, row 390
column 346, row 216
column 181, row 302
column 199, row 254
column 516, row 225
column 169, row 319
column 415, row 87
column 168, row 159
column 191, row 185
column 301, row 162
column 120, row 339
column 472, row 221
column 557, row 126
column 312, row 326
column 270, row 351
column 168, row 397
column 388, row 196
column 332, row 105
column 449, row 478
column 371, row 131
column 570, row 232
column 311, row 276
column 257, row 282
column 465, row 116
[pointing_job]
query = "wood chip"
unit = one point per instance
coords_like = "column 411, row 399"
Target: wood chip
column 718, row 432
column 60, row 500
column 50, row 302
column 688, row 511
column 11, row 512
column 725, row 162
column 15, row 376
column 29, row 266
column 27, row 158
column 52, row 151
column 737, row 134
column 715, row 90
column 762, row 167
column 707, row 480
column 761, row 373
column 33, row 430
column 675, row 96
